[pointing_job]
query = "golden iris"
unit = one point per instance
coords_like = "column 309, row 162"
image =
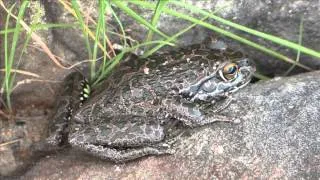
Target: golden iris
column 230, row 71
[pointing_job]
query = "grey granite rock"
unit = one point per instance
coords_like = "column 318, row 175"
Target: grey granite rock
column 277, row 138
column 257, row 147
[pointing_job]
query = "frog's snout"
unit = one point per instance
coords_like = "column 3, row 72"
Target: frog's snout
column 247, row 65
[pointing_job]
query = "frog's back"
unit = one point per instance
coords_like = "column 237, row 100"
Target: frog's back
column 170, row 70
column 138, row 86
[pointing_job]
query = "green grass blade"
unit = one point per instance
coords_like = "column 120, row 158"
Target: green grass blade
column 99, row 30
column 16, row 33
column 134, row 15
column 260, row 76
column 299, row 52
column 155, row 18
column 223, row 32
column 37, row 27
column 156, row 48
column 80, row 19
column 25, row 44
column 172, row 38
column 119, row 23
column 9, row 60
column 103, row 32
column 42, row 26
column 272, row 38
column 6, row 55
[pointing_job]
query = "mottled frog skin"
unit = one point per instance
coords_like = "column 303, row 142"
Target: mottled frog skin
column 146, row 103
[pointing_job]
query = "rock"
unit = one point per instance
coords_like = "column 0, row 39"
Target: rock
column 237, row 148
column 17, row 139
column 8, row 163
column 277, row 137
column 280, row 18
column 32, row 99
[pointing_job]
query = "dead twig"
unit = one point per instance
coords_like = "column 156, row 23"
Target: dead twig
column 28, row 81
column 10, row 142
column 22, row 72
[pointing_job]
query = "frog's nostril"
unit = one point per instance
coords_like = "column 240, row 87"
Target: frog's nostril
column 245, row 62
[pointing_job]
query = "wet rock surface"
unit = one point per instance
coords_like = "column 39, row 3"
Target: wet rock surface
column 277, row 137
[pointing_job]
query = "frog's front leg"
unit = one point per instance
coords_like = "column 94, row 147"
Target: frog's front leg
column 226, row 102
column 220, row 102
column 193, row 115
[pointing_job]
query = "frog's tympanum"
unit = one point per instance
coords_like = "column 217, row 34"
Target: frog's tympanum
column 145, row 104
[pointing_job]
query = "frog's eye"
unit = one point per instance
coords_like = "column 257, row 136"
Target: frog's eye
column 230, row 71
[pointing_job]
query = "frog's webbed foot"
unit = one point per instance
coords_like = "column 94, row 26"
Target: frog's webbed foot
column 123, row 155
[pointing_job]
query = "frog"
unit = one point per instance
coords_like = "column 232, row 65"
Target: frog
column 146, row 104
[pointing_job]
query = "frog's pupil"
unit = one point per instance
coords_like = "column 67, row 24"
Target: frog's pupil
column 232, row 70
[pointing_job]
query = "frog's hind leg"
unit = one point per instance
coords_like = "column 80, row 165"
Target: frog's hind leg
column 122, row 142
column 123, row 155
